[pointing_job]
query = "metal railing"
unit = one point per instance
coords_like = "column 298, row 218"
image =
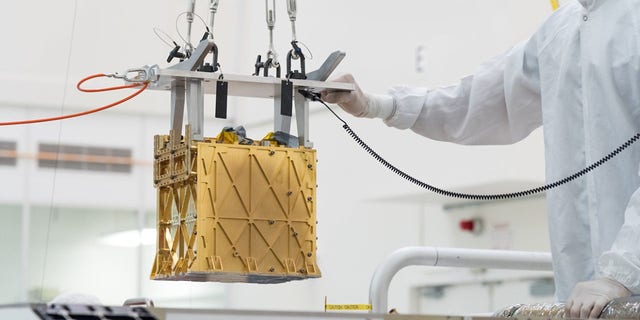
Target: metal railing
column 449, row 257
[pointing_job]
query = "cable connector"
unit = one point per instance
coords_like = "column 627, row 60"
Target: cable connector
column 136, row 75
column 310, row 94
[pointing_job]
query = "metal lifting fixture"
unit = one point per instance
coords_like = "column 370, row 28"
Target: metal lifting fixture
column 272, row 57
column 184, row 161
column 296, row 52
column 192, row 78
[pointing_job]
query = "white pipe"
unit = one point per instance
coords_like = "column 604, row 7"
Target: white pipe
column 213, row 8
column 449, row 257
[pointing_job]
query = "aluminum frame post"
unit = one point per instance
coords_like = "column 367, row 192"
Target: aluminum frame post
column 195, row 108
column 302, row 120
column 177, row 106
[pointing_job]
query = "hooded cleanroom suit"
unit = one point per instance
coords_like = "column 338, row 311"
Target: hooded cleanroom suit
column 579, row 77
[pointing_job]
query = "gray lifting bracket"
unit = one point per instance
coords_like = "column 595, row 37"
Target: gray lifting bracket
column 186, row 84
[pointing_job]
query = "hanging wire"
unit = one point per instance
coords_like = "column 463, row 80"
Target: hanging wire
column 178, row 29
column 308, row 50
column 55, row 168
column 156, row 30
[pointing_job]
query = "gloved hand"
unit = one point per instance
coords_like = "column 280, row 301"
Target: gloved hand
column 358, row 103
column 354, row 102
column 589, row 298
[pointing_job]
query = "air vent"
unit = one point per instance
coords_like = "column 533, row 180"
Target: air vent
column 84, row 158
column 8, row 153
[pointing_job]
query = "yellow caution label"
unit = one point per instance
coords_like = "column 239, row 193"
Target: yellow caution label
column 347, row 307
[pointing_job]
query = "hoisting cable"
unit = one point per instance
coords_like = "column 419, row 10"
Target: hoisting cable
column 143, row 86
column 469, row 196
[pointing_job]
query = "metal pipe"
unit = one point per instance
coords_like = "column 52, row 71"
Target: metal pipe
column 191, row 8
column 213, row 8
column 271, row 22
column 448, row 257
column 292, row 9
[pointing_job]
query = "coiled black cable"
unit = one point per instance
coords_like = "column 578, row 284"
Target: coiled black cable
column 316, row 97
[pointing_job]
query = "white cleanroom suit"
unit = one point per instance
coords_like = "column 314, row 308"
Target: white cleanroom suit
column 579, row 77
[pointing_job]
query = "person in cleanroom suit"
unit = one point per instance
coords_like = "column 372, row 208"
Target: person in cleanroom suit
column 579, row 77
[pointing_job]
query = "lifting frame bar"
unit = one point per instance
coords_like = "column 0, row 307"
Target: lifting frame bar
column 188, row 85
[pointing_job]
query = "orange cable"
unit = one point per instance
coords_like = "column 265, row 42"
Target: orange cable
column 103, row 89
column 84, row 113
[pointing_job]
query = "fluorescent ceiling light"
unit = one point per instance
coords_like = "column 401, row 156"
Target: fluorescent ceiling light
column 130, row 238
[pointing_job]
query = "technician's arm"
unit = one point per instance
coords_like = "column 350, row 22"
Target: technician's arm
column 499, row 104
column 619, row 269
column 622, row 261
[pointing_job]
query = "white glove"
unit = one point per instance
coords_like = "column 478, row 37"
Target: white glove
column 589, row 298
column 358, row 103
